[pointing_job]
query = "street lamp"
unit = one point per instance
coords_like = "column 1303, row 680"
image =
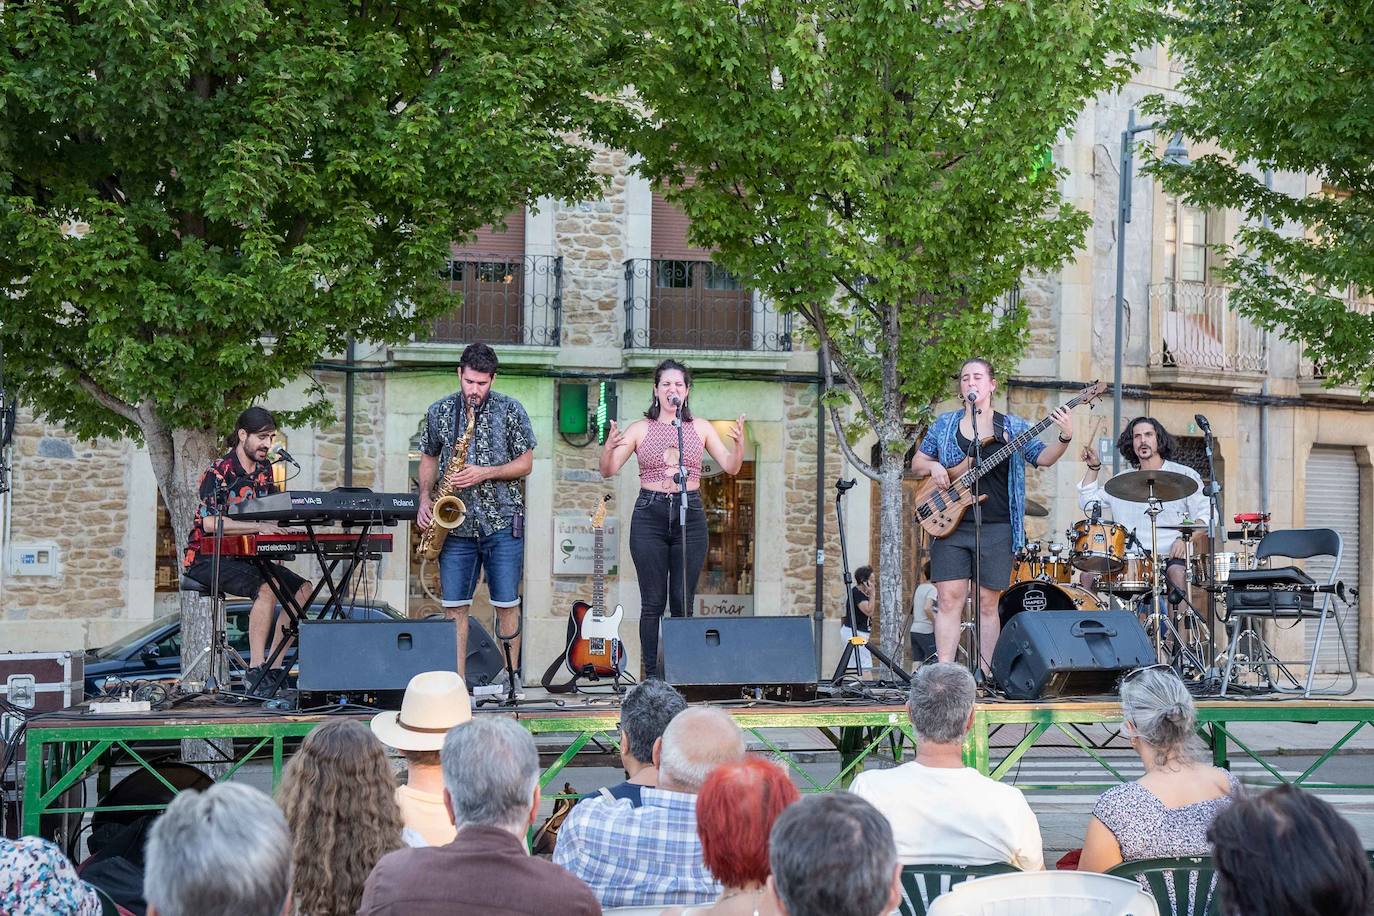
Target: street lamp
column 1175, row 154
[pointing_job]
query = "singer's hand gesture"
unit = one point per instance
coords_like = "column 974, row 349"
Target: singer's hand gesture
column 615, row 437
column 737, row 432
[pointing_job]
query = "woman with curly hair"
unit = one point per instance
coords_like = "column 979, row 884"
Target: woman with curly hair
column 338, row 795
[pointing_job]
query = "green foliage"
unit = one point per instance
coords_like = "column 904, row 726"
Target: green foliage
column 261, row 180
column 1287, row 86
column 878, row 167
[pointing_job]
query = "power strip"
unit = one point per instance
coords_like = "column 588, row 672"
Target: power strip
column 106, row 707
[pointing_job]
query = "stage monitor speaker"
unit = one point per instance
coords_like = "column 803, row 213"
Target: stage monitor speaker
column 1044, row 654
column 721, row 658
column 372, row 656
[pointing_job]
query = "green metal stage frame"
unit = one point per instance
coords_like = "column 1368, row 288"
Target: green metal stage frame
column 64, row 750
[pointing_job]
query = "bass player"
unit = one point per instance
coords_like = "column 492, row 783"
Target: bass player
column 948, row 442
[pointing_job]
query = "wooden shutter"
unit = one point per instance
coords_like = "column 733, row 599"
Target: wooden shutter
column 504, row 243
column 668, row 233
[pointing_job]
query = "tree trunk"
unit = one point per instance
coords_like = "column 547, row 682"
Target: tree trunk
column 179, row 457
column 891, row 639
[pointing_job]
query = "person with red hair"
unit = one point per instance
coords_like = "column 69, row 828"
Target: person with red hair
column 736, row 809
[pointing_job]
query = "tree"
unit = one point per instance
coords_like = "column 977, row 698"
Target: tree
column 879, row 169
column 199, row 200
column 1286, row 86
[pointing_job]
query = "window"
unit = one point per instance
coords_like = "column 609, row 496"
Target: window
column 673, row 274
column 729, row 569
column 1185, row 243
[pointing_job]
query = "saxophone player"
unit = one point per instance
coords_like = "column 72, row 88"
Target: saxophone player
column 499, row 451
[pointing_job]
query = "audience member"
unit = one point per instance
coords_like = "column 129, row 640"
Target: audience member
column 222, row 852
column 338, row 797
column 940, row 810
column 736, row 809
column 644, row 714
column 35, row 877
column 1167, row 811
column 434, row 702
column 650, row 855
column 491, row 788
column 1286, row 852
column 833, row 855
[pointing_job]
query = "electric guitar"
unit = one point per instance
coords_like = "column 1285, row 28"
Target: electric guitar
column 594, row 647
column 940, row 509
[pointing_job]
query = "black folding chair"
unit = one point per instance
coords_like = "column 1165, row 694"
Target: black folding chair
column 1284, row 593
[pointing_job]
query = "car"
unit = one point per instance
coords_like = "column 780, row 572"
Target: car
column 153, row 652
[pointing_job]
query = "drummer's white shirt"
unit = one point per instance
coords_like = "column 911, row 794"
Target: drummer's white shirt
column 1131, row 515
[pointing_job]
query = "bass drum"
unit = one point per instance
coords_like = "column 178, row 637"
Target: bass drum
column 1045, row 596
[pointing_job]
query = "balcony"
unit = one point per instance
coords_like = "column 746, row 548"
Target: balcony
column 673, row 304
column 512, row 301
column 1311, row 374
column 1196, row 339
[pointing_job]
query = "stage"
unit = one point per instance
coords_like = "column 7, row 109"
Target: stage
column 64, row 749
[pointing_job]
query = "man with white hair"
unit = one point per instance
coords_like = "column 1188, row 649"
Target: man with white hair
column 940, row 810
column 222, row 852
column 491, row 789
column 650, row 855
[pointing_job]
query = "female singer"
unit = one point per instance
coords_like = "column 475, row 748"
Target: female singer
column 656, row 536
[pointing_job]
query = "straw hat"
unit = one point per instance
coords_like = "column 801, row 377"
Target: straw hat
column 434, row 702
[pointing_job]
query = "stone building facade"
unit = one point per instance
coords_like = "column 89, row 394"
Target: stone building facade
column 580, row 296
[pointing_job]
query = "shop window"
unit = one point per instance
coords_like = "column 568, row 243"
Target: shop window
column 727, row 579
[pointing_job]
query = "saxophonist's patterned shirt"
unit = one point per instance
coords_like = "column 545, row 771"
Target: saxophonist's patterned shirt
column 503, row 433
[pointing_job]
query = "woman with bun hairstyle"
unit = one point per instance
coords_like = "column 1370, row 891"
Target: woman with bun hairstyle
column 1167, row 811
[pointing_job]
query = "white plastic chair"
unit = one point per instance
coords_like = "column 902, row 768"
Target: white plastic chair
column 1046, row 893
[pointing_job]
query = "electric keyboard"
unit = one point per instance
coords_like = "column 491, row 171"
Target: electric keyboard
column 289, row 546
column 339, row 506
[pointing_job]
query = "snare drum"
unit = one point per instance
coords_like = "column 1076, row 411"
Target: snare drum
column 1098, row 547
column 1135, row 575
column 1044, row 596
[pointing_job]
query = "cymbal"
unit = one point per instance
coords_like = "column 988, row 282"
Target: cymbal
column 1185, row 527
column 1035, row 509
column 1134, row 486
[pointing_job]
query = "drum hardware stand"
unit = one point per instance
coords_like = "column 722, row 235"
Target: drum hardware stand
column 851, row 647
column 1158, row 582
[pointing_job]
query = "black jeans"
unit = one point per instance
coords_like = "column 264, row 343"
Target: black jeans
column 656, row 548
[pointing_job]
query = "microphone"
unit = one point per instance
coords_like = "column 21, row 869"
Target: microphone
column 972, row 397
column 843, row 484
column 674, row 400
column 278, row 452
column 1202, row 423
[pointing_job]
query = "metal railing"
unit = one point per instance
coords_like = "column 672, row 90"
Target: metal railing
column 1192, row 326
column 505, row 300
column 698, row 305
column 1309, row 368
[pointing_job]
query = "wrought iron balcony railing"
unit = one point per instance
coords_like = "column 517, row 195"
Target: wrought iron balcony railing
column 698, row 305
column 505, row 300
column 1311, row 369
column 1192, row 327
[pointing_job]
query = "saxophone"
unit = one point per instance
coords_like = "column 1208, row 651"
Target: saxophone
column 449, row 510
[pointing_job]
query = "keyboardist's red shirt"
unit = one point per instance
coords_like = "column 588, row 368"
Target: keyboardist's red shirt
column 225, row 483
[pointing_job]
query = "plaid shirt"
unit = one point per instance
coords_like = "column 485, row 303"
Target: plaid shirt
column 637, row 856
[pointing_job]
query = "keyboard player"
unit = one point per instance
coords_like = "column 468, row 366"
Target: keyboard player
column 243, row 472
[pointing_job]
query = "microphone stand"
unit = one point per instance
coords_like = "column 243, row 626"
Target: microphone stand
column 851, row 645
column 680, row 478
column 976, row 655
column 1214, row 536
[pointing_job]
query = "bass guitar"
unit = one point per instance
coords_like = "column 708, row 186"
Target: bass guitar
column 594, row 647
column 940, row 509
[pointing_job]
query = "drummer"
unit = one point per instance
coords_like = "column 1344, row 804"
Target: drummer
column 1147, row 445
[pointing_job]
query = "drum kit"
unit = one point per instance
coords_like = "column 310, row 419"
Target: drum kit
column 1118, row 571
